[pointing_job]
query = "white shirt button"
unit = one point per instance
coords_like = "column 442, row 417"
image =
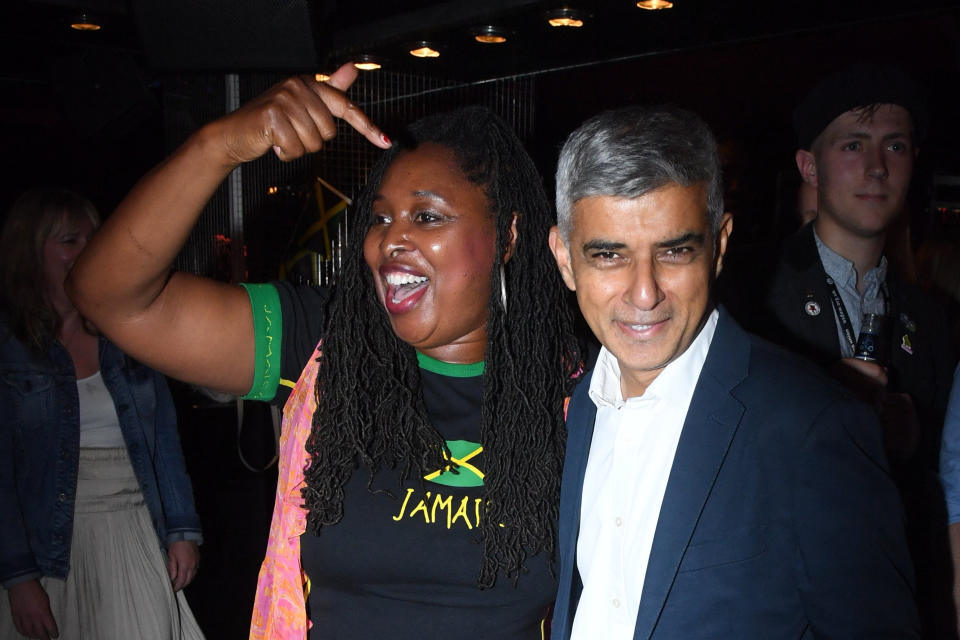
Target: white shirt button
column 619, row 522
column 616, row 603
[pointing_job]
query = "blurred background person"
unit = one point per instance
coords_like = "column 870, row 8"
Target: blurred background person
column 98, row 531
column 950, row 479
column 859, row 132
column 938, row 272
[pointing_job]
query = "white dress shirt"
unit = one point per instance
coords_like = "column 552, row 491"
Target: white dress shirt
column 631, row 454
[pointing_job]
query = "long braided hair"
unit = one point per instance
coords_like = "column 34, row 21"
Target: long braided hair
column 370, row 407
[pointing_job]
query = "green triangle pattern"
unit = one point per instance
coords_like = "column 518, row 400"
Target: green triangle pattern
column 463, row 476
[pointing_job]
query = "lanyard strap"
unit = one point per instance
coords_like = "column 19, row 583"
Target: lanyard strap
column 841, row 310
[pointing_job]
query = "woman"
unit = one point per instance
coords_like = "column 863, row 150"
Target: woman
column 93, row 485
column 448, row 329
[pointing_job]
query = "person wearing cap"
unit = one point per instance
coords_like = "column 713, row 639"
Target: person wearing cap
column 858, row 133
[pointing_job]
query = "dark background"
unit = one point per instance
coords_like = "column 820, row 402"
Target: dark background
column 93, row 111
column 86, row 109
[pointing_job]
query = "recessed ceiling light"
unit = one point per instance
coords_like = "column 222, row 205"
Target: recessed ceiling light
column 565, row 18
column 653, row 5
column 367, row 63
column 489, row 34
column 424, row 49
column 83, row 22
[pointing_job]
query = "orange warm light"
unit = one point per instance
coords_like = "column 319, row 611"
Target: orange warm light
column 84, row 23
column 653, row 5
column 490, row 35
column 565, row 17
column 565, row 22
column 424, row 52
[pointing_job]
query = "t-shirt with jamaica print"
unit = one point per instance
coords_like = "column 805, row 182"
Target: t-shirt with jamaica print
column 404, row 560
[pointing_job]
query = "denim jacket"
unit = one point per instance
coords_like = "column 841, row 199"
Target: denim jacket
column 40, row 451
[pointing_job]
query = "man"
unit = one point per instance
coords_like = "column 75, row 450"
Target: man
column 714, row 487
column 858, row 131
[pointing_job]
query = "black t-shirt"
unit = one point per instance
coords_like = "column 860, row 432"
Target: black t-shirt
column 304, row 310
column 404, row 560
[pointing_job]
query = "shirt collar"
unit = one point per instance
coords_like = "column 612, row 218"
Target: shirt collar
column 674, row 384
column 843, row 271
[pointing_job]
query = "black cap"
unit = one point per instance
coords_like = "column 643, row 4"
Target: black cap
column 854, row 87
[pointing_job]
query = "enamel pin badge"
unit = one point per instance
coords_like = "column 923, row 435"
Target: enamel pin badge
column 906, row 345
column 812, row 307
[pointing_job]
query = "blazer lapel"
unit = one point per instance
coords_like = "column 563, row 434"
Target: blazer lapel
column 802, row 302
column 580, row 418
column 710, row 425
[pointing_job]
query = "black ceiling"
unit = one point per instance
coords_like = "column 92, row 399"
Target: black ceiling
column 613, row 29
column 293, row 35
column 67, row 95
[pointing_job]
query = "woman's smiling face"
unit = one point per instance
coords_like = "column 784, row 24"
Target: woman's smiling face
column 431, row 248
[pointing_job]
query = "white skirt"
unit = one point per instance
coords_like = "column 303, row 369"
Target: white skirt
column 118, row 587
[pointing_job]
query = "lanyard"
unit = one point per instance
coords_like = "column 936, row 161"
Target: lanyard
column 841, row 310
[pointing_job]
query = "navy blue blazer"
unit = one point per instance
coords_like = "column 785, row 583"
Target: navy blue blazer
column 779, row 518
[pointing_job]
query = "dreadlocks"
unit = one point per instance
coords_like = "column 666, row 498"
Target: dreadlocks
column 370, row 408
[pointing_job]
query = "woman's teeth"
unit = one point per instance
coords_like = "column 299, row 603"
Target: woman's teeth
column 403, row 285
column 397, row 279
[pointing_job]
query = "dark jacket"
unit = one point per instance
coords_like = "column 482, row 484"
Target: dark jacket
column 779, row 519
column 920, row 352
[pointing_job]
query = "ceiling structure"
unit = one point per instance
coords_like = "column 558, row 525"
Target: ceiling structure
column 297, row 35
column 50, row 73
column 70, row 91
column 612, row 29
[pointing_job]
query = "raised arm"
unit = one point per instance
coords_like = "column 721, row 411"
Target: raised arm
column 191, row 328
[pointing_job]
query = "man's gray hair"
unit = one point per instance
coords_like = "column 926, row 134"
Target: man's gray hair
column 628, row 152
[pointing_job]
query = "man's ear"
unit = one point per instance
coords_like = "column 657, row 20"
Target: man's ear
column 807, row 165
column 723, row 235
column 512, row 245
column 562, row 255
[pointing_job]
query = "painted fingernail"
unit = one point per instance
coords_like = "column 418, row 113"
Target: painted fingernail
column 385, row 139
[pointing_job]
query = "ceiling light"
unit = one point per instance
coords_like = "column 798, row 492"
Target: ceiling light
column 565, row 18
column 489, row 34
column 653, row 5
column 424, row 49
column 366, row 63
column 321, row 77
column 83, row 22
